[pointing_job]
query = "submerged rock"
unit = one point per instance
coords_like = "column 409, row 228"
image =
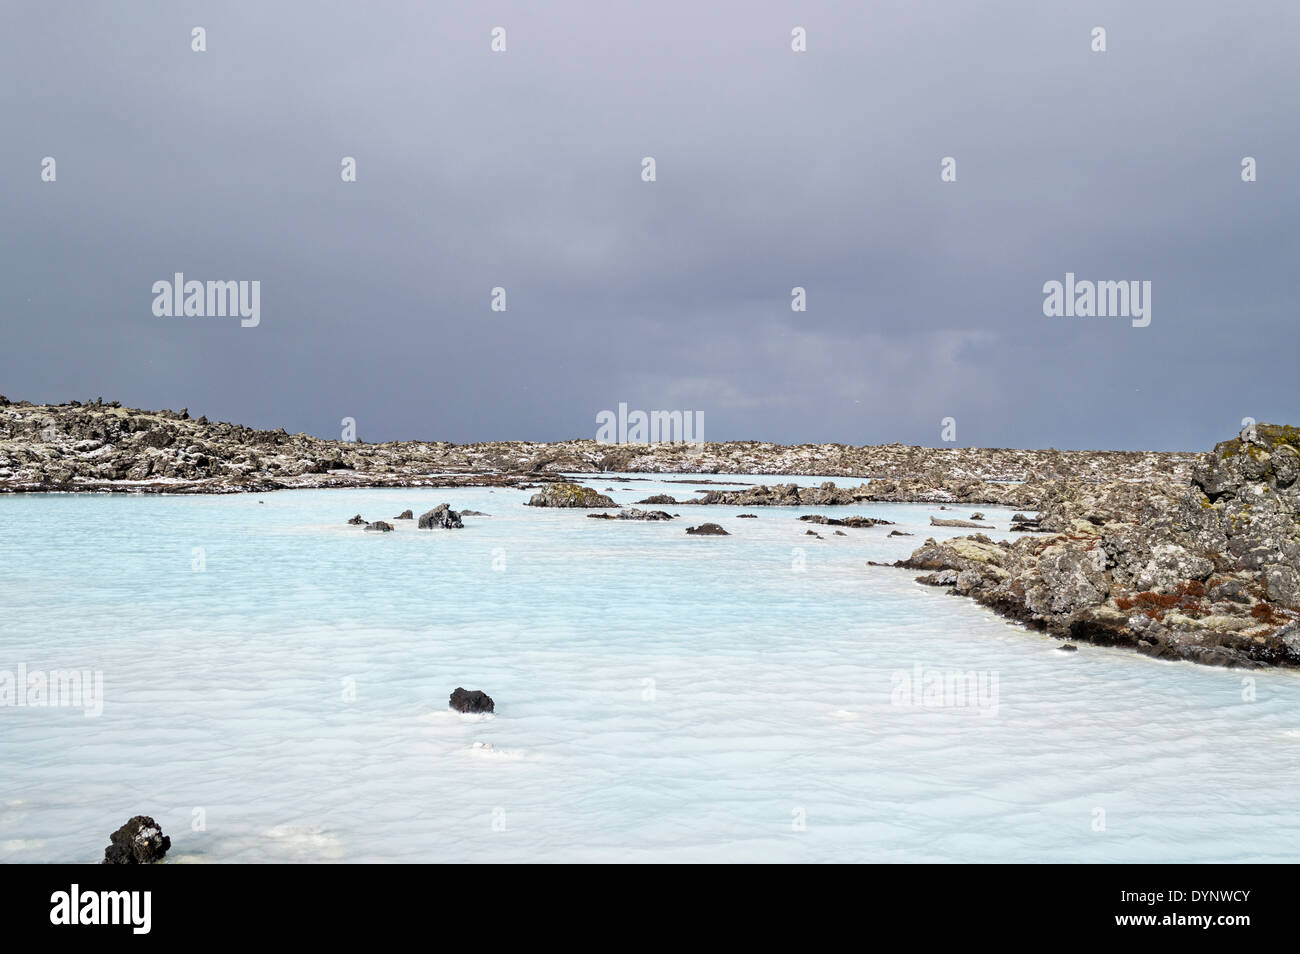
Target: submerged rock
column 358, row 520
column 569, row 495
column 440, row 517
column 139, row 842
column 707, row 529
column 380, row 526
column 471, row 700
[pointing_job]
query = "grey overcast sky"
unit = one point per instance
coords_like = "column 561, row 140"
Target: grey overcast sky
column 775, row 169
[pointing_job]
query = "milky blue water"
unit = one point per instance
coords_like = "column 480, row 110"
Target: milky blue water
column 276, row 681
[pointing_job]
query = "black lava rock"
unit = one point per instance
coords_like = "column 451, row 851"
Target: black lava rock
column 139, row 842
column 471, row 700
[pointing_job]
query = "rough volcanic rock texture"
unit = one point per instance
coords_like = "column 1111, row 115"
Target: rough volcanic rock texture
column 1206, row 570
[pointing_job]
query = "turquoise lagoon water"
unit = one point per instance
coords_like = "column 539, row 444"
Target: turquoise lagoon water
column 275, row 686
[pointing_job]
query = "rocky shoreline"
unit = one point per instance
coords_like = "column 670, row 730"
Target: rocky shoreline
column 1206, row 570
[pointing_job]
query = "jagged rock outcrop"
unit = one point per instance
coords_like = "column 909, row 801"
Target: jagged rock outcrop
column 1207, row 571
column 707, row 530
column 441, row 517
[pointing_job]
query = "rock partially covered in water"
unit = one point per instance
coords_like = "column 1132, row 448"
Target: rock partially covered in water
column 569, row 495
column 659, row 499
column 938, row 522
column 861, row 522
column 358, row 520
column 139, row 842
column 471, row 700
column 441, row 517
column 380, row 526
column 405, row 515
column 707, row 529
column 633, row 514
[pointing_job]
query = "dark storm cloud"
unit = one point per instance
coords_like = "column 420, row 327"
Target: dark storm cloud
column 775, row 169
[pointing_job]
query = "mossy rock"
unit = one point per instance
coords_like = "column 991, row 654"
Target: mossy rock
column 569, row 495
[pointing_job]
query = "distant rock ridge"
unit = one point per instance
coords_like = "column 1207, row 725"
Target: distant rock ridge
column 1206, row 570
column 101, row 446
